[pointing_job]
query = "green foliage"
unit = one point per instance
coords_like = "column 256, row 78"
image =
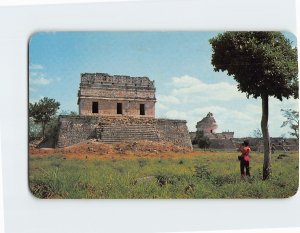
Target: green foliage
column 51, row 129
column 43, row 111
column 292, row 120
column 263, row 63
column 212, row 175
column 35, row 130
column 202, row 141
column 50, row 134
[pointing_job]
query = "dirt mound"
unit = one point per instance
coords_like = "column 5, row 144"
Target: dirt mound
column 93, row 148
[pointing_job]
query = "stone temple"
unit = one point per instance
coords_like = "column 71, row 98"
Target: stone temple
column 105, row 95
column 117, row 108
column 208, row 126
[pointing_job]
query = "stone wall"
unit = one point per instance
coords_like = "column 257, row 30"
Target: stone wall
column 75, row 129
column 104, row 79
column 112, row 92
column 108, row 90
column 224, row 135
column 109, row 107
column 174, row 131
column 223, row 144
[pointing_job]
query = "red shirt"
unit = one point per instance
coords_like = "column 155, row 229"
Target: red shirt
column 245, row 152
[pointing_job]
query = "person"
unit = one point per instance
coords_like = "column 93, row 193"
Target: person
column 245, row 159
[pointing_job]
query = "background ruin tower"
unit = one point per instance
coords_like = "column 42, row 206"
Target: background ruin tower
column 102, row 94
column 207, row 125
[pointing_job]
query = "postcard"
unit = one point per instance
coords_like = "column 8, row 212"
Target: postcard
column 163, row 115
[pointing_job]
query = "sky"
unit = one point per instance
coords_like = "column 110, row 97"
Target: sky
column 187, row 87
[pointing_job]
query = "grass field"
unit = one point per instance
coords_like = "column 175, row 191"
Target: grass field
column 203, row 175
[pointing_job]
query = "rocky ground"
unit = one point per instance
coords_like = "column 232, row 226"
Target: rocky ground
column 92, row 149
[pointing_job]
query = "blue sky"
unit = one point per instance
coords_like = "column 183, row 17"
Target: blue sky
column 179, row 62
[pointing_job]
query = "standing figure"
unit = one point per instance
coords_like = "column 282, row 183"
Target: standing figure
column 245, row 159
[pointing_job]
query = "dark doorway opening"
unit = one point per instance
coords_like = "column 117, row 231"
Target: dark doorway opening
column 142, row 109
column 119, row 108
column 95, row 108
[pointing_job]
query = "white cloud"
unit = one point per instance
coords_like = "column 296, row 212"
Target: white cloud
column 254, row 109
column 174, row 114
column 204, row 110
column 161, row 106
column 199, row 91
column 36, row 67
column 284, row 104
column 37, row 76
column 185, row 81
column 40, row 81
column 191, row 99
column 168, row 99
column 227, row 119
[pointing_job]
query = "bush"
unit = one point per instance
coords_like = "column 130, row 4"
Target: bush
column 201, row 140
column 34, row 130
column 51, row 130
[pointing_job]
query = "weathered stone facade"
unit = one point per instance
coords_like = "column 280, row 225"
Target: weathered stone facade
column 102, row 94
column 208, row 126
column 119, row 109
column 75, row 129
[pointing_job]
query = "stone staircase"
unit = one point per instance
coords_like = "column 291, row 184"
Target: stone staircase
column 121, row 132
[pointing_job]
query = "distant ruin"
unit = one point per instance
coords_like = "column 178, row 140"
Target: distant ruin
column 115, row 108
column 208, row 126
column 226, row 140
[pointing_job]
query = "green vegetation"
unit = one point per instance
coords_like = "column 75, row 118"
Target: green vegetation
column 42, row 112
column 292, row 120
column 202, row 141
column 264, row 64
column 210, row 175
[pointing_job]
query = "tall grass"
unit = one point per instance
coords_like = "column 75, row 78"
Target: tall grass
column 214, row 175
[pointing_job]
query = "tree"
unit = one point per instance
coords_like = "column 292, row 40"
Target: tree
column 292, row 119
column 34, row 129
column 264, row 64
column 43, row 111
column 201, row 140
column 257, row 133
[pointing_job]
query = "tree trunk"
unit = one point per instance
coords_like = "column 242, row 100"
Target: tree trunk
column 43, row 129
column 266, row 137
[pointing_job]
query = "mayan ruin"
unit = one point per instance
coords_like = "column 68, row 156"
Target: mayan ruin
column 208, row 126
column 119, row 109
column 106, row 95
column 226, row 140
